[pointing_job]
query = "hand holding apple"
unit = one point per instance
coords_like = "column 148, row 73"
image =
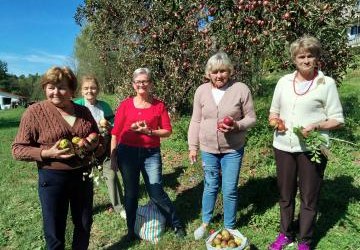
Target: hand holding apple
column 140, row 126
column 226, row 124
column 92, row 141
column 281, row 127
column 277, row 124
column 104, row 127
column 62, row 149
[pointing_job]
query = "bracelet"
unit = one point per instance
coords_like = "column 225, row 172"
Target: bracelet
column 150, row 132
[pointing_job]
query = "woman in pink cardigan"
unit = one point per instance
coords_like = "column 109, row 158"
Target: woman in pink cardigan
column 223, row 110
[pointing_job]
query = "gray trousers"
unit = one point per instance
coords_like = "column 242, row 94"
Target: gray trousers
column 114, row 187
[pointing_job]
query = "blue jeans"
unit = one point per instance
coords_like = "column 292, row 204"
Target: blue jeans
column 57, row 190
column 229, row 164
column 132, row 161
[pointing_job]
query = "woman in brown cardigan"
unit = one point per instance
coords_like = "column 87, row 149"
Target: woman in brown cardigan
column 61, row 172
column 223, row 111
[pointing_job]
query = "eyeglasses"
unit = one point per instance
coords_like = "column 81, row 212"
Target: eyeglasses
column 146, row 82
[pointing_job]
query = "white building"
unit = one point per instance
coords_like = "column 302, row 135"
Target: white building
column 8, row 100
column 354, row 31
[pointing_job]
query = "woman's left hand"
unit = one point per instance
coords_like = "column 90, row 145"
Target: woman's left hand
column 140, row 127
column 308, row 129
column 226, row 127
column 91, row 145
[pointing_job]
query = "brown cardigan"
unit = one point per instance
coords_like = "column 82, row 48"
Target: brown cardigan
column 236, row 102
column 42, row 126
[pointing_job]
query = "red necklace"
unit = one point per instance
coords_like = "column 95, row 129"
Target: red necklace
column 312, row 81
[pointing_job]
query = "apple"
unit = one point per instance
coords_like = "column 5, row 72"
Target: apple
column 238, row 240
column 228, row 121
column 232, row 244
column 103, row 122
column 64, row 143
column 225, row 233
column 281, row 127
column 218, row 236
column 212, row 11
column 75, row 139
column 211, row 231
column 286, row 16
column 273, row 122
column 224, row 244
column 216, row 241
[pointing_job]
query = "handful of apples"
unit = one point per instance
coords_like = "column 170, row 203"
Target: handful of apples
column 278, row 124
column 77, row 144
column 225, row 239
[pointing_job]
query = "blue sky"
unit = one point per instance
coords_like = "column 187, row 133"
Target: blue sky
column 37, row 34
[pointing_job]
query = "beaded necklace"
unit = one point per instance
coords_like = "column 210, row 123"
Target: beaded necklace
column 307, row 90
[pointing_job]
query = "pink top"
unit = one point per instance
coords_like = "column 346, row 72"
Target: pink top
column 156, row 117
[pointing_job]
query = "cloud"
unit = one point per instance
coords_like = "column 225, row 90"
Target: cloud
column 36, row 62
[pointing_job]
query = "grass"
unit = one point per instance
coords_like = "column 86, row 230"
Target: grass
column 338, row 219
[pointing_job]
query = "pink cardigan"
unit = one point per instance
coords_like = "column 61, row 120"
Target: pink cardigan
column 236, row 102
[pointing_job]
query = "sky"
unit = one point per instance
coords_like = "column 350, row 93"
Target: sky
column 37, row 34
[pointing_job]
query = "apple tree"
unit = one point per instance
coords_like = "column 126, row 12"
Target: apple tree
column 175, row 38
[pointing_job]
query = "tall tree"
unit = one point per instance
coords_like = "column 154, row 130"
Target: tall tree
column 175, row 38
column 3, row 70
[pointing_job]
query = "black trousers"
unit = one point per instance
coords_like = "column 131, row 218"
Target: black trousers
column 296, row 170
column 57, row 190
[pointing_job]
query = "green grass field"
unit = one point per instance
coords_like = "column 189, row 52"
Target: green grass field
column 338, row 224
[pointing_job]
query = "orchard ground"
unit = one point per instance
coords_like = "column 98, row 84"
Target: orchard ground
column 258, row 212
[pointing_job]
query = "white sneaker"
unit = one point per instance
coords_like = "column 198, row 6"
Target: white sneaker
column 123, row 214
column 199, row 232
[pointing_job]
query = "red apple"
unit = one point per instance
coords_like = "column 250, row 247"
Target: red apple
column 228, row 121
column 211, row 231
column 281, row 127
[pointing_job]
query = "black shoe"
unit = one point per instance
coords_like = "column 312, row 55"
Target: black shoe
column 179, row 232
column 130, row 237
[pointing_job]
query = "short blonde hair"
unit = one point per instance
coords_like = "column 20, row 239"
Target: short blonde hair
column 219, row 61
column 91, row 78
column 142, row 71
column 306, row 43
column 56, row 75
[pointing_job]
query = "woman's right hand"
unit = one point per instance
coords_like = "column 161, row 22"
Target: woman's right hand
column 55, row 153
column 193, row 156
column 114, row 165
